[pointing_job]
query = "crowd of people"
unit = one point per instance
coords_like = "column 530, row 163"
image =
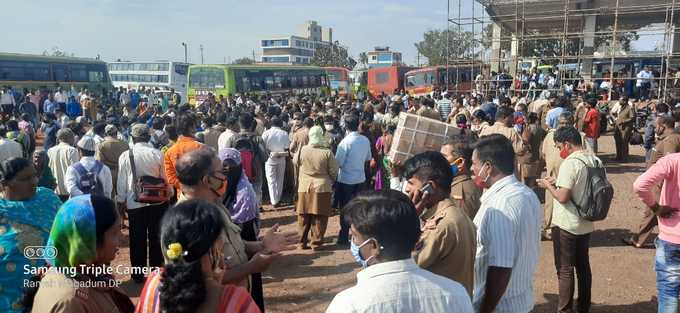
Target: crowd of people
column 454, row 230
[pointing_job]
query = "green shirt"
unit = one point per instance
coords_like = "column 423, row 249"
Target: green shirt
column 572, row 175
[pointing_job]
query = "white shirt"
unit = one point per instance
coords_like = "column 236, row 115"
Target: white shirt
column 276, row 140
column 10, row 149
column 7, row 98
column 148, row 162
column 104, row 177
column 61, row 157
column 223, row 140
column 401, row 287
column 60, row 97
column 509, row 223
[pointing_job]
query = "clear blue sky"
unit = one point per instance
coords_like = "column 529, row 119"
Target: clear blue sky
column 154, row 29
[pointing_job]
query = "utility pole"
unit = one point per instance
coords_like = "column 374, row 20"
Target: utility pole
column 201, row 54
column 254, row 56
column 184, row 44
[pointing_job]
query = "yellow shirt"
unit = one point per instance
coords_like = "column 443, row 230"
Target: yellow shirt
column 573, row 176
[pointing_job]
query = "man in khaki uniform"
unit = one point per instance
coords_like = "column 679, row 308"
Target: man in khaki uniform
column 669, row 142
column 298, row 139
column 503, row 126
column 447, row 245
column 623, row 130
column 427, row 110
column 464, row 192
column 110, row 150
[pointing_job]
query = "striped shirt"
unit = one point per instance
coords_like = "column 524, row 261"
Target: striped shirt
column 508, row 235
column 444, row 108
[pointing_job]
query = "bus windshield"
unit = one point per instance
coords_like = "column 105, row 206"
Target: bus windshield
column 206, row 77
column 336, row 75
column 420, row 79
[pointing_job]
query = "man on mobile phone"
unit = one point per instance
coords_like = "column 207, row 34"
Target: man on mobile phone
column 447, row 244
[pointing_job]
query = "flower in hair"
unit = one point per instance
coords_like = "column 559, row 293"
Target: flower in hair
column 175, row 250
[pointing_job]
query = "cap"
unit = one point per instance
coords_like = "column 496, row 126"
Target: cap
column 86, row 143
column 110, row 129
column 139, row 130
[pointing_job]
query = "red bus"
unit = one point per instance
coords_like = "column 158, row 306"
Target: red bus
column 386, row 79
column 423, row 81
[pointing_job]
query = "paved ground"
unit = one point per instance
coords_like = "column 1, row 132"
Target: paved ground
column 623, row 277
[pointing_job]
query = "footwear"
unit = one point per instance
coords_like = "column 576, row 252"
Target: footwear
column 304, row 246
column 546, row 236
column 631, row 242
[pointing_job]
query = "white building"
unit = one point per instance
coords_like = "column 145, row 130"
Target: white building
column 383, row 57
column 296, row 49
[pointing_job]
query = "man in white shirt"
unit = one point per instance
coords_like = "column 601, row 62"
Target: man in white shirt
column 9, row 148
column 508, row 231
column 385, row 228
column 232, row 128
column 88, row 176
column 61, row 157
column 144, row 218
column 61, row 97
column 7, row 101
column 276, row 144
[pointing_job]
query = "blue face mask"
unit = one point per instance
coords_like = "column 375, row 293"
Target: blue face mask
column 356, row 253
column 454, row 169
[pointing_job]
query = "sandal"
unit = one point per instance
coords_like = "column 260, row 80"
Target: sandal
column 631, row 242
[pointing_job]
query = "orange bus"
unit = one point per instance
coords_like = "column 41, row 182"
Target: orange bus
column 338, row 80
column 425, row 80
column 386, row 79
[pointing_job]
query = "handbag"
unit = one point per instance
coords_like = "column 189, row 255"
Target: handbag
column 148, row 189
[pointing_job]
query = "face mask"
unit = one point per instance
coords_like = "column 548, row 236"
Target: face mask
column 356, row 253
column 480, row 182
column 297, row 122
column 222, row 189
column 564, row 152
column 328, row 126
column 457, row 166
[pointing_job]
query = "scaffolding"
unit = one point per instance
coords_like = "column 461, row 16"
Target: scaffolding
column 582, row 43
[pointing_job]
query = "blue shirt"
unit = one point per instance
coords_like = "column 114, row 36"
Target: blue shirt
column 353, row 152
column 50, row 106
column 490, row 109
column 134, row 99
column 552, row 117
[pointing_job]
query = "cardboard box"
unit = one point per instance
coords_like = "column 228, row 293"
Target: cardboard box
column 416, row 134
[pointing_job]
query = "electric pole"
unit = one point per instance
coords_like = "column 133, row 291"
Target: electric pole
column 201, row 54
column 184, row 44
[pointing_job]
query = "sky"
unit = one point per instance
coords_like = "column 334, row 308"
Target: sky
column 154, row 29
column 147, row 30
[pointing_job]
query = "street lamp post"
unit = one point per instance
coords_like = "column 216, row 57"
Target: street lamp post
column 201, row 54
column 184, row 44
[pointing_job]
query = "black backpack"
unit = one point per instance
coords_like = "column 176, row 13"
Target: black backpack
column 597, row 195
column 250, row 156
column 88, row 182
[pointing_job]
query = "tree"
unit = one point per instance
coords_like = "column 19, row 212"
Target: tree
column 363, row 58
column 243, row 61
column 433, row 46
column 332, row 55
column 56, row 52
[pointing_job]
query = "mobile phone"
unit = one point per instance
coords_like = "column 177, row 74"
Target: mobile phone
column 426, row 189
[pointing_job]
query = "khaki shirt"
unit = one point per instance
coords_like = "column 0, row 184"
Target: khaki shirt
column 668, row 144
column 626, row 117
column 59, row 294
column 551, row 155
column 466, row 195
column 509, row 132
column 580, row 117
column 318, row 170
column 447, row 245
column 298, row 139
column 429, row 113
column 108, row 152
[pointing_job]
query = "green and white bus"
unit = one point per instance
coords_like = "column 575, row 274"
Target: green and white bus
column 226, row 80
column 24, row 71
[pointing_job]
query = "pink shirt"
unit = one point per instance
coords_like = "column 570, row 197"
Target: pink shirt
column 666, row 171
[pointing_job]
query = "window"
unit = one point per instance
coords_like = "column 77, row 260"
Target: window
column 420, row 79
column 206, row 77
column 374, row 57
column 24, row 70
column 382, row 78
column 276, row 43
column 275, row 59
column 385, row 57
column 138, row 78
column 181, row 69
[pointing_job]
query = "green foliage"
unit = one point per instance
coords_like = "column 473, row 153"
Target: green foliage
column 332, row 55
column 433, row 46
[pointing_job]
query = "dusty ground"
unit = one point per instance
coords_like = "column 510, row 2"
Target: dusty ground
column 623, row 277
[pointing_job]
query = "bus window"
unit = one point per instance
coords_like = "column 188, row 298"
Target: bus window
column 61, row 73
column 181, row 69
column 24, row 71
column 206, row 78
column 269, row 82
column 78, row 73
column 305, row 81
column 382, row 78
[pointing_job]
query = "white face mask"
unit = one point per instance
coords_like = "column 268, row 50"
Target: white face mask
column 328, row 126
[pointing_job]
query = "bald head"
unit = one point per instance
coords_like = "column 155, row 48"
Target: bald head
column 193, row 166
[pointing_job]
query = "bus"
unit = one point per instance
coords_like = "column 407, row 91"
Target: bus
column 424, row 81
column 227, row 80
column 386, row 79
column 338, row 80
column 359, row 79
column 165, row 75
column 44, row 73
